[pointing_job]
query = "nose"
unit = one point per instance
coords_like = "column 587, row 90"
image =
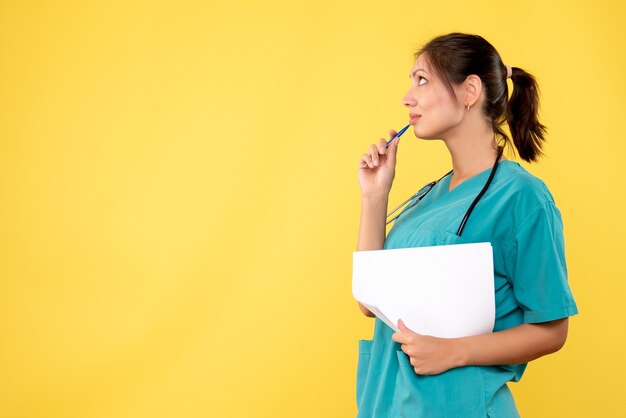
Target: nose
column 408, row 100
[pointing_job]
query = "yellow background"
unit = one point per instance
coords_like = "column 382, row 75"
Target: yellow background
column 179, row 201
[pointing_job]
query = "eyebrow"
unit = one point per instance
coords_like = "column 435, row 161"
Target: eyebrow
column 413, row 73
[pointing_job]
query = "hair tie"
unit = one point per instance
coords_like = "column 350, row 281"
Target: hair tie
column 509, row 71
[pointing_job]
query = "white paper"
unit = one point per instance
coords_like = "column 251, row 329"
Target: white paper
column 445, row 291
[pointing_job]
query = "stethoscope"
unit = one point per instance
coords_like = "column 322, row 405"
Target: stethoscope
column 424, row 191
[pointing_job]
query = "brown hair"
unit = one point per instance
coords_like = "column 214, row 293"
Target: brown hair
column 456, row 55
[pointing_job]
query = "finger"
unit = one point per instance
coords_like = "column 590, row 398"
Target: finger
column 398, row 337
column 392, row 133
column 402, row 326
column 363, row 161
column 392, row 150
column 367, row 160
column 382, row 146
column 374, row 154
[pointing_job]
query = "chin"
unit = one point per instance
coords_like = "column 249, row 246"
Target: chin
column 424, row 135
column 429, row 136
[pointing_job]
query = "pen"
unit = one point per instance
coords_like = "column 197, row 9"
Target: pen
column 397, row 135
column 403, row 130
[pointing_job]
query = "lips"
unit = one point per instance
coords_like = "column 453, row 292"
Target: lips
column 414, row 117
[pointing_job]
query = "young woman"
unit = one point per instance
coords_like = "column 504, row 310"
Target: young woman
column 459, row 94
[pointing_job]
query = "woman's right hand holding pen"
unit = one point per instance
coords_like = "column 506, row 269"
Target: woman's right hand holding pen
column 377, row 168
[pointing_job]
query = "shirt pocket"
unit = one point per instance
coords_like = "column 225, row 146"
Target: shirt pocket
column 363, row 364
column 448, row 236
column 413, row 396
column 455, row 393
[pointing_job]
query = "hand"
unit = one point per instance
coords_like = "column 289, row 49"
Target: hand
column 428, row 355
column 378, row 167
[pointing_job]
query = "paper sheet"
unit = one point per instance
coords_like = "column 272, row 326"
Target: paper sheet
column 445, row 291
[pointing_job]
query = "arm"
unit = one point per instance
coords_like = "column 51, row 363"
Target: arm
column 376, row 172
column 372, row 230
column 516, row 345
column 520, row 344
column 365, row 311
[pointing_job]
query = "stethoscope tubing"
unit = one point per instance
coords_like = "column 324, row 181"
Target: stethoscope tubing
column 432, row 184
column 482, row 192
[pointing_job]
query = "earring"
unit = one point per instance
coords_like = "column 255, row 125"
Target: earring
column 467, row 106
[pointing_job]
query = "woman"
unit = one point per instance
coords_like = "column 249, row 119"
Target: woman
column 459, row 94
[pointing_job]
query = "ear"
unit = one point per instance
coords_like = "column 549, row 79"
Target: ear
column 472, row 89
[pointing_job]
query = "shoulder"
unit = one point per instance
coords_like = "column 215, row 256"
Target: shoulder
column 521, row 186
column 533, row 219
column 525, row 198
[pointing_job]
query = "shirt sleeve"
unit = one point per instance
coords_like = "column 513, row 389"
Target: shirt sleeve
column 536, row 267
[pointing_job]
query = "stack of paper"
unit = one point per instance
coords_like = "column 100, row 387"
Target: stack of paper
column 445, row 291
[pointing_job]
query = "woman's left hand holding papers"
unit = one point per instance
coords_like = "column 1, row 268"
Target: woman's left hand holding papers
column 429, row 355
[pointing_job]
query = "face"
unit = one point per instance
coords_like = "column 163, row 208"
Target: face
column 439, row 114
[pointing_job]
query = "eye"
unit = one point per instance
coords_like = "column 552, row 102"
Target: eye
column 419, row 79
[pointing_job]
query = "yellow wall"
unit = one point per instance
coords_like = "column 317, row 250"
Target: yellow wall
column 179, row 201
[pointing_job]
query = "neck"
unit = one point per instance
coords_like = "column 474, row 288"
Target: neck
column 471, row 154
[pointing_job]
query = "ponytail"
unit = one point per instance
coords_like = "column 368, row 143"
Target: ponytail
column 522, row 116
